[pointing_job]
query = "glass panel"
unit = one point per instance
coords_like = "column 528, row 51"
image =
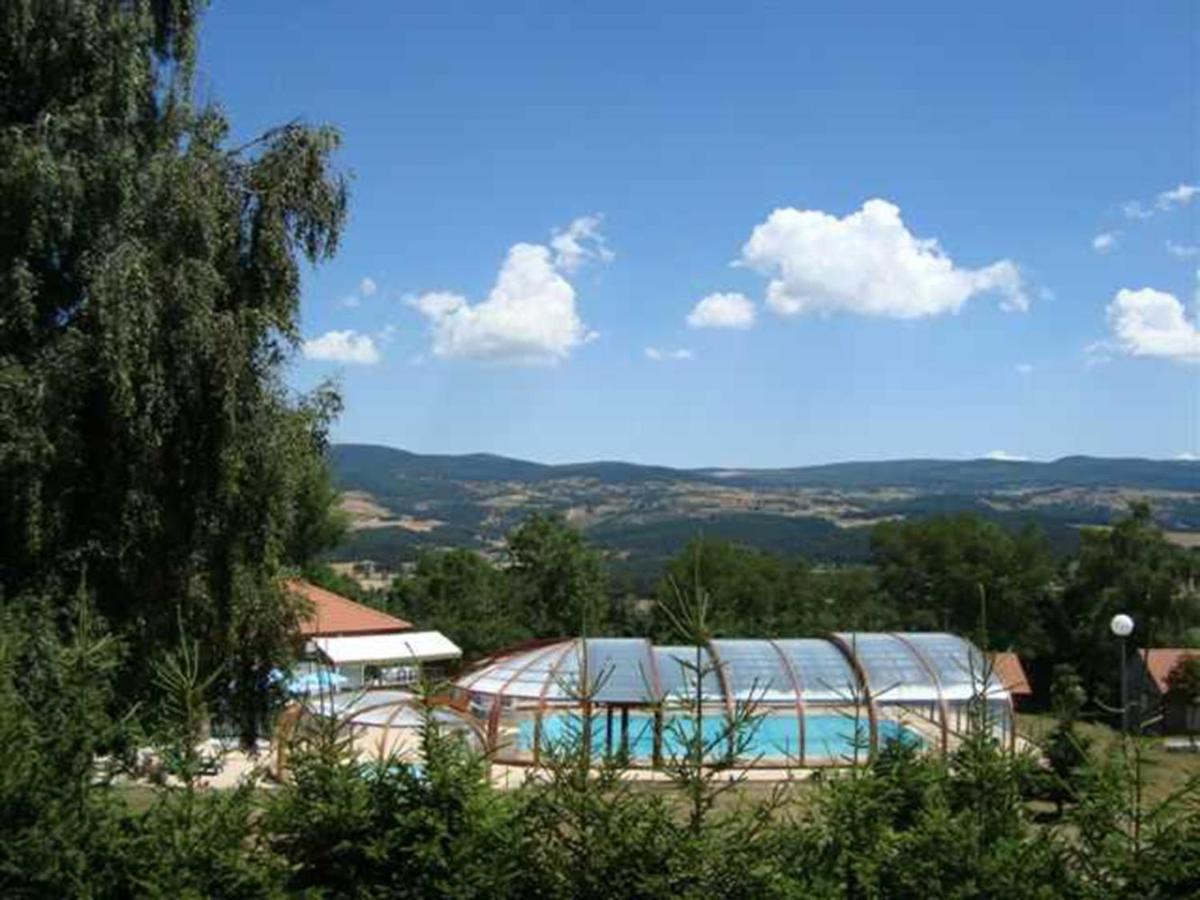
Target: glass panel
column 824, row 673
column 754, row 670
column 959, row 665
column 677, row 674
column 523, row 675
column 562, row 674
column 621, row 670
column 895, row 672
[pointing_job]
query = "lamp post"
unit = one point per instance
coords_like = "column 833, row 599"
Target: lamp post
column 1122, row 626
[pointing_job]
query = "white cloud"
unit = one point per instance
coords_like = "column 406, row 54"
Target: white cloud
column 1103, row 243
column 1152, row 323
column 367, row 287
column 1005, row 456
column 1024, row 368
column 663, row 355
column 350, row 301
column 344, row 347
column 1188, row 457
column 722, row 311
column 1183, row 251
column 1178, row 196
column 529, row 317
column 1164, row 201
column 578, row 243
column 867, row 263
column 1134, row 210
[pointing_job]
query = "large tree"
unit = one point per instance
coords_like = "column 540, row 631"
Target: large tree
column 961, row 573
column 149, row 296
column 559, row 582
column 1130, row 568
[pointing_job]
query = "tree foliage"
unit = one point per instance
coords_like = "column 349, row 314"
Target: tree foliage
column 550, row 584
column 149, row 293
column 1130, row 568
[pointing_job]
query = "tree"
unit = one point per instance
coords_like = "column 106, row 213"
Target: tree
column 1129, row 568
column 1066, row 750
column 464, row 595
column 149, row 296
column 557, row 579
column 933, row 571
column 1183, row 689
column 753, row 589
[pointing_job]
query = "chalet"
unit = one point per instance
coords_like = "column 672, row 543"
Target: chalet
column 346, row 645
column 1149, row 676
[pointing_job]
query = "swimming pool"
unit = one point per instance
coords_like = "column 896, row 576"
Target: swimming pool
column 829, row 737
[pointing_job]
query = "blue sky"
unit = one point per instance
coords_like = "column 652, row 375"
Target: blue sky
column 543, row 194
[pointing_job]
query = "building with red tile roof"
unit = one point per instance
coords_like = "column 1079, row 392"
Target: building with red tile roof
column 352, row 646
column 1150, row 682
column 1159, row 662
column 333, row 615
column 1007, row 667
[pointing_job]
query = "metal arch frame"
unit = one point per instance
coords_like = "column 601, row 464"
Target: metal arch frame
column 851, row 654
column 498, row 697
column 659, row 702
column 387, row 728
column 541, row 706
column 722, row 678
column 388, row 725
column 919, row 655
column 798, row 687
column 481, row 666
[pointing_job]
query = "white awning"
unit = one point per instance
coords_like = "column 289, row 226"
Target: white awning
column 398, row 647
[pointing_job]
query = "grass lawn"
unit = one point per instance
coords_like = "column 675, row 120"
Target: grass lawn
column 1165, row 772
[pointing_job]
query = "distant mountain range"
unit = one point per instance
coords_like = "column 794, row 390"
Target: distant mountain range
column 400, row 502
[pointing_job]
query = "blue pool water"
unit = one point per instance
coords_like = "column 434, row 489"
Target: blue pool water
column 773, row 737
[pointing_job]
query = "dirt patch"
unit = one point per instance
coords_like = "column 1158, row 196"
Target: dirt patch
column 365, row 513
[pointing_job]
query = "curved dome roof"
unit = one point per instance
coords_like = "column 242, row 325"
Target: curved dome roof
column 892, row 667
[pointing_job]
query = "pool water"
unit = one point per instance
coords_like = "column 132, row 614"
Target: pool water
column 828, row 737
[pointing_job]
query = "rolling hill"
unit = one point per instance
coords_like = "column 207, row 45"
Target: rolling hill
column 400, row 502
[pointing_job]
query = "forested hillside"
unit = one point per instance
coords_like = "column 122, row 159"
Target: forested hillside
column 401, row 503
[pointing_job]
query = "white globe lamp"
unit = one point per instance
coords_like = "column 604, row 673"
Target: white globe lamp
column 1121, row 625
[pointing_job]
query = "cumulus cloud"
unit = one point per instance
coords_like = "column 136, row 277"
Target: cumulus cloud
column 663, row 355
column 1183, row 251
column 722, row 311
column 367, row 287
column 344, row 347
column 867, row 263
column 580, row 242
column 529, row 317
column 1177, row 196
column 1188, row 457
column 1005, row 456
column 1152, row 323
column 1164, row 201
column 1103, row 243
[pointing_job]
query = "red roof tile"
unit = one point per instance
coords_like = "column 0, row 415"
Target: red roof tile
column 333, row 614
column 1160, row 662
column 1011, row 673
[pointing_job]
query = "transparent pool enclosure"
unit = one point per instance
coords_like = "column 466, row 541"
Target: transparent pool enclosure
column 812, row 701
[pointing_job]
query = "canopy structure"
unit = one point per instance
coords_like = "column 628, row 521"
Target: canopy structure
column 816, row 695
column 400, row 648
